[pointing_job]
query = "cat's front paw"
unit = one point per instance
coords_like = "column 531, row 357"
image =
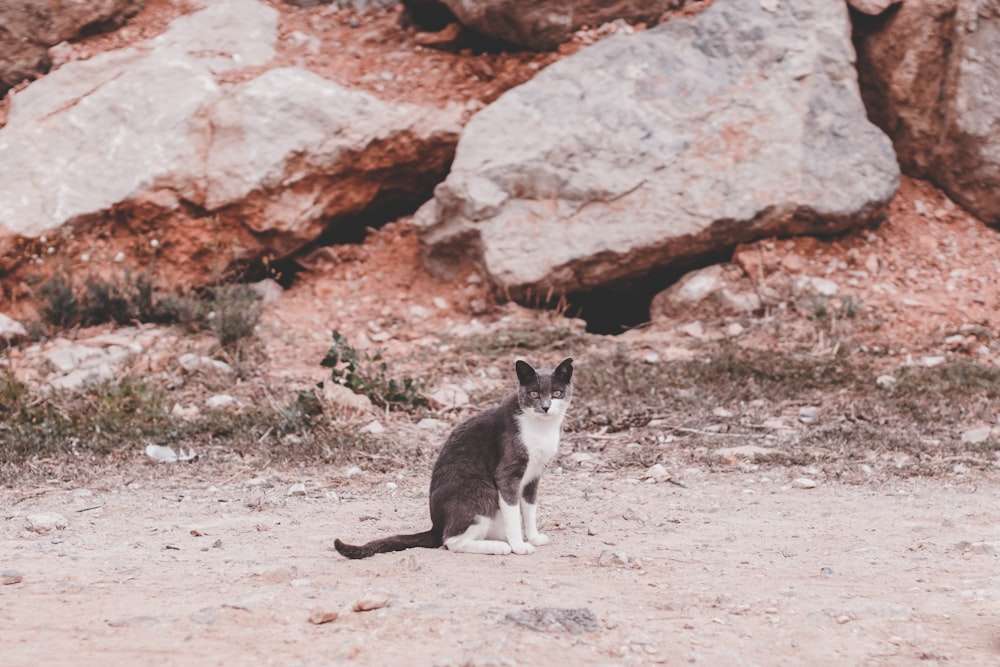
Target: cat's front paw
column 539, row 539
column 522, row 548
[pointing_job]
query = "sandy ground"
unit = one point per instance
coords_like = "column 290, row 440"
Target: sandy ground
column 174, row 568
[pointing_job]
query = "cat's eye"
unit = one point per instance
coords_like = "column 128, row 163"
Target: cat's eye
column 533, row 394
column 557, row 394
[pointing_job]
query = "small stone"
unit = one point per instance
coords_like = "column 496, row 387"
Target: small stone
column 321, row 616
column 752, row 452
column 932, row 361
column 297, row 489
column 431, row 424
column 803, row 483
column 976, row 436
column 885, row 381
column 371, row 601
column 269, row 290
column 657, row 472
column 11, row 329
column 734, row 329
column 693, row 329
column 46, row 522
column 9, row 577
column 439, row 303
column 342, row 397
column 353, row 471
column 257, row 481
column 723, row 413
column 843, row 618
column 632, row 514
column 808, row 414
column 449, row 396
column 219, row 401
column 373, row 428
column 204, row 616
column 612, row 558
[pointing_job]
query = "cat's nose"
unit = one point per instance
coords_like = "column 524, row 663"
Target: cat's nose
column 545, row 408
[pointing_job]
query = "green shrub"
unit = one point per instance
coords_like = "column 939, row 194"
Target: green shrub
column 368, row 375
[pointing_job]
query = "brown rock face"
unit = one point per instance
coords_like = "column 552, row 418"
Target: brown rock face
column 28, row 29
column 930, row 80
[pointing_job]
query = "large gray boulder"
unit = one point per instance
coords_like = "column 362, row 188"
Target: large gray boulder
column 931, row 79
column 174, row 141
column 544, row 24
column 29, row 28
column 644, row 152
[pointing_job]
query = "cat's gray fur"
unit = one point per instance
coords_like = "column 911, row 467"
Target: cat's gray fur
column 490, row 464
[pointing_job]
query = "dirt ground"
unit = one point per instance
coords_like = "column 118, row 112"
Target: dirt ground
column 173, row 567
column 215, row 562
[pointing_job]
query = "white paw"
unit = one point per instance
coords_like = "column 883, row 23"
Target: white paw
column 503, row 549
column 539, row 539
column 522, row 549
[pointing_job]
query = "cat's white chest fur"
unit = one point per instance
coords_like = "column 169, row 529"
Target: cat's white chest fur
column 540, row 435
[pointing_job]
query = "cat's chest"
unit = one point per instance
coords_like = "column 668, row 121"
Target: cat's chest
column 541, row 438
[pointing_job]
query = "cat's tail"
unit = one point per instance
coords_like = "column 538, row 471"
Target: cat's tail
column 428, row 539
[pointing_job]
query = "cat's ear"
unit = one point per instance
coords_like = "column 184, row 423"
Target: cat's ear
column 564, row 371
column 525, row 373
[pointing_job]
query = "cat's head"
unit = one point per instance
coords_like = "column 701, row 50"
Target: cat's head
column 545, row 392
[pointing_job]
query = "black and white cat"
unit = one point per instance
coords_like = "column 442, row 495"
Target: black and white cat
column 485, row 480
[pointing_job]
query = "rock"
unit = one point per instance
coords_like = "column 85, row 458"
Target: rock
column 46, row 522
column 885, row 381
column 719, row 286
column 164, row 454
column 657, row 472
column 28, row 29
column 193, row 362
column 371, row 601
column 549, row 619
column 808, row 414
column 976, row 436
column 737, row 132
column 925, row 79
column 11, row 329
column 162, row 138
column 816, row 286
column 9, row 577
column 431, row 424
column 269, row 290
column 321, row 616
column 297, row 489
column 612, row 558
column 448, row 396
column 872, row 7
column 545, row 24
column 750, row 452
column 373, row 428
column 345, row 399
column 220, row 401
column 803, row 483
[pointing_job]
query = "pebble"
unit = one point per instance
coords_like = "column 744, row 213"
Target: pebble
column 297, row 489
column 321, row 616
column 808, row 414
column 220, row 401
column 11, row 329
column 976, row 436
column 657, row 472
column 803, row 483
column 734, row 329
column 9, row 577
column 745, row 452
column 46, row 522
column 353, row 471
column 431, row 424
column 885, row 381
column 612, row 558
column 371, row 601
column 373, row 428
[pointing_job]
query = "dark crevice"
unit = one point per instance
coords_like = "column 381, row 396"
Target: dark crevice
column 614, row 309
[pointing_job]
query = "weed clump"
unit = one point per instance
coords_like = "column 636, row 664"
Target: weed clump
column 229, row 311
column 368, row 375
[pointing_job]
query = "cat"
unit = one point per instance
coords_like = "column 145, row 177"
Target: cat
column 485, row 480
